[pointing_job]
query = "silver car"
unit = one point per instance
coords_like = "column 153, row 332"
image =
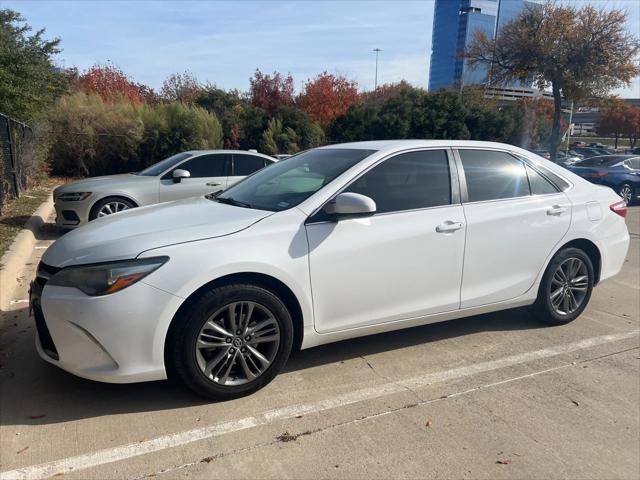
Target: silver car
column 186, row 174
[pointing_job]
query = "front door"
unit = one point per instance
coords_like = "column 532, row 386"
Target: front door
column 208, row 175
column 403, row 262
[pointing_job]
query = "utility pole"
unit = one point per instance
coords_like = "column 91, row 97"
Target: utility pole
column 377, row 50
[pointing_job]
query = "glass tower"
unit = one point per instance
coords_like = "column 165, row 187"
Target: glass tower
column 454, row 25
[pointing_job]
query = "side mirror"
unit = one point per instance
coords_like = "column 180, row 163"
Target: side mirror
column 178, row 174
column 350, row 205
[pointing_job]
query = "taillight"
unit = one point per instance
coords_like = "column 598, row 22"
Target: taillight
column 620, row 208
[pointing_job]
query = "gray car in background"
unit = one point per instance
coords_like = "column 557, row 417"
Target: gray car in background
column 186, row 174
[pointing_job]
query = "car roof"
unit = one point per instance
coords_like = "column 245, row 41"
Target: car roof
column 394, row 145
column 201, row 152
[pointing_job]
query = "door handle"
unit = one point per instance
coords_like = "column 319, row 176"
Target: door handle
column 213, row 184
column 556, row 210
column 448, row 227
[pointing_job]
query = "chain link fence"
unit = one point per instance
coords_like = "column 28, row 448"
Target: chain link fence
column 15, row 143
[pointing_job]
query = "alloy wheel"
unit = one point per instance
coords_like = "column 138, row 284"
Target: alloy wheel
column 112, row 207
column 569, row 286
column 237, row 343
column 625, row 192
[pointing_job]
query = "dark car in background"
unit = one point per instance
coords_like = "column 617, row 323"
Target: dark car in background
column 620, row 172
column 588, row 152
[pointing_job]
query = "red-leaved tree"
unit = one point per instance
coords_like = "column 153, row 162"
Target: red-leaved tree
column 110, row 83
column 327, row 97
column 181, row 87
column 269, row 92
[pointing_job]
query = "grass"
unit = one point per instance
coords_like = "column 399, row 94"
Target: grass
column 17, row 212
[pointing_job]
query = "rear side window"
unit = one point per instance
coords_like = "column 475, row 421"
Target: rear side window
column 407, row 181
column 493, row 175
column 539, row 185
column 206, row 165
column 244, row 165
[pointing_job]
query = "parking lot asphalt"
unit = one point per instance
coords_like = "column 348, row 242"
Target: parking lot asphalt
column 491, row 396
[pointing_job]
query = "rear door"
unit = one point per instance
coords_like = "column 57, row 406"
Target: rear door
column 208, row 172
column 515, row 216
column 245, row 164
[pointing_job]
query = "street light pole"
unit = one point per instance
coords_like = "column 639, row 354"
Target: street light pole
column 377, row 50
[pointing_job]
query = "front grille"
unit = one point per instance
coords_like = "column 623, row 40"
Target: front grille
column 43, row 274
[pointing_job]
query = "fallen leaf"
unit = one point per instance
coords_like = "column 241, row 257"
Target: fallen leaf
column 503, row 461
column 428, row 424
column 23, row 450
column 577, row 404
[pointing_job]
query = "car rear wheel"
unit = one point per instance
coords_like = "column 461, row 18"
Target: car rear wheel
column 566, row 287
column 626, row 192
column 231, row 342
column 109, row 206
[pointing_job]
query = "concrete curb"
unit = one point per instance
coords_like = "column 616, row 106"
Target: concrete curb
column 13, row 261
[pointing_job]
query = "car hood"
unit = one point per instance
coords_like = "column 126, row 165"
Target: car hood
column 126, row 234
column 91, row 184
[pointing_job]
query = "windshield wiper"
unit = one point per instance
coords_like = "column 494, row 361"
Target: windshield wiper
column 231, row 201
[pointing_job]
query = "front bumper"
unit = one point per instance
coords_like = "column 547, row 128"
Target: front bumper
column 116, row 338
column 72, row 214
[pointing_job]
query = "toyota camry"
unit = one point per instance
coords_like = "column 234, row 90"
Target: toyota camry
column 334, row 243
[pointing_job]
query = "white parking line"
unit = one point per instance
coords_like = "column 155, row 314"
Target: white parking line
column 109, row 455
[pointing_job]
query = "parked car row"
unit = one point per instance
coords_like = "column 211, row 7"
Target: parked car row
column 183, row 175
column 620, row 172
column 333, row 243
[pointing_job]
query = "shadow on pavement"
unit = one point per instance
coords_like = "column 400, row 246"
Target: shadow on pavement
column 33, row 392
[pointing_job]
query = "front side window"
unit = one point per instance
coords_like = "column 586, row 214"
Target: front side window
column 493, row 175
column 244, row 165
column 206, row 165
column 407, row 181
column 286, row 184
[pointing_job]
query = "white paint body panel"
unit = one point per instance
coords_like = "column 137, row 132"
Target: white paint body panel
column 353, row 278
column 393, row 266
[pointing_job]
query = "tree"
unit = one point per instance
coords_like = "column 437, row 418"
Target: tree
column 110, row 83
column 631, row 125
column 181, row 87
column 279, row 139
column 612, row 119
column 29, row 81
column 327, row 96
column 578, row 52
column 269, row 92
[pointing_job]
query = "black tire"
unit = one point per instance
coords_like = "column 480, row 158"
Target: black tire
column 543, row 309
column 98, row 206
column 180, row 355
column 630, row 188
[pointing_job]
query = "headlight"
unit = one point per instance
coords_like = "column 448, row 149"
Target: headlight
column 73, row 196
column 106, row 278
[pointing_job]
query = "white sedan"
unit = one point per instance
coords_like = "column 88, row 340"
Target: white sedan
column 334, row 243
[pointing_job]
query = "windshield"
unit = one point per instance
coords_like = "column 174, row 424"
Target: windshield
column 286, row 184
column 163, row 165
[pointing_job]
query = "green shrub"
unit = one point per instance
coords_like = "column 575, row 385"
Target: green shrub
column 90, row 136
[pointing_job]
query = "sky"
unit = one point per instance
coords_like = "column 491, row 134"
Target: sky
column 223, row 42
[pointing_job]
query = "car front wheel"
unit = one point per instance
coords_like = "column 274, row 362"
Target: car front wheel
column 109, row 206
column 231, row 342
column 566, row 287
